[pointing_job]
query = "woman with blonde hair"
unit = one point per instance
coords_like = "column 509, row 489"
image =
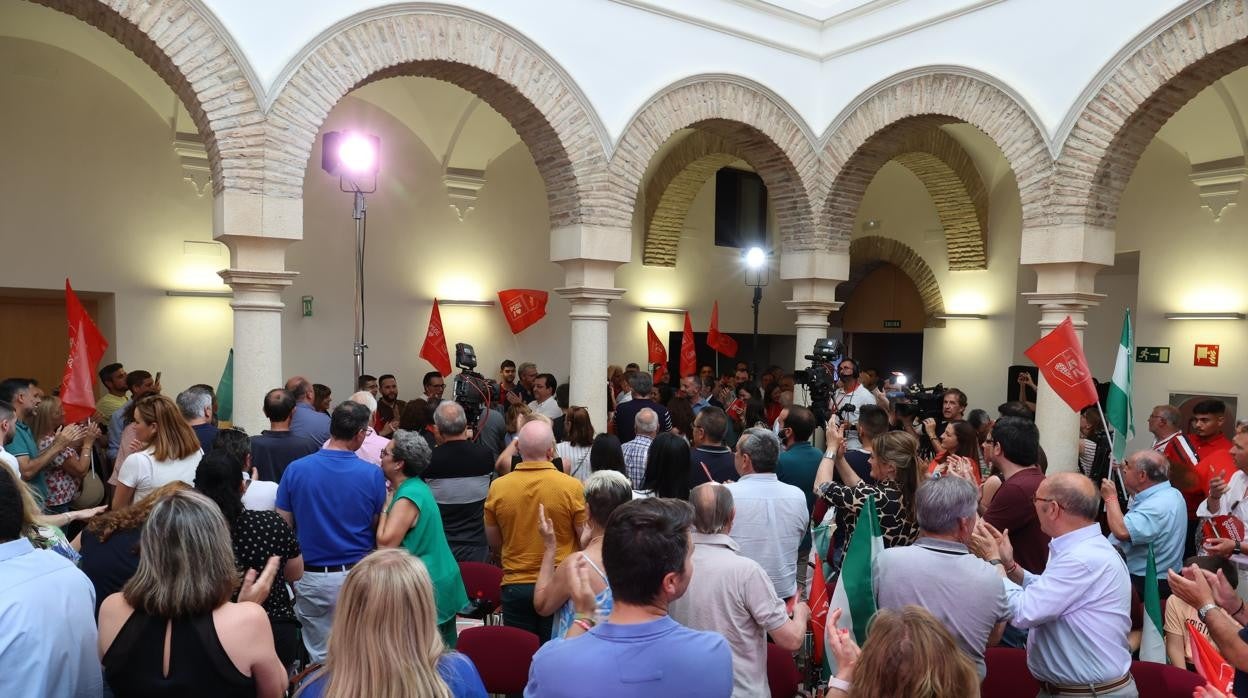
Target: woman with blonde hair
column 907, row 653
column 172, row 451
column 894, row 469
column 68, row 467
column 172, row 629
column 385, row 641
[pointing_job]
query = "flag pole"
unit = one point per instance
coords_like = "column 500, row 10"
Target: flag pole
column 1112, row 470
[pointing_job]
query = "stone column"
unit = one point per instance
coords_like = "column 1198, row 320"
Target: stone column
column 1066, row 260
column 257, row 229
column 815, row 276
column 589, row 256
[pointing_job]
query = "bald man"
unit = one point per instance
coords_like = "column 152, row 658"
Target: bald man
column 1157, row 516
column 306, row 421
column 1078, row 611
column 511, row 517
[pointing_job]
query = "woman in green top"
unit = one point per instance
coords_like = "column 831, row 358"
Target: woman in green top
column 411, row 519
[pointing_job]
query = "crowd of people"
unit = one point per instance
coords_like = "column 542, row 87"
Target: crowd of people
column 151, row 550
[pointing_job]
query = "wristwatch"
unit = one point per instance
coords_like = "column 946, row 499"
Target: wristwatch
column 1204, row 610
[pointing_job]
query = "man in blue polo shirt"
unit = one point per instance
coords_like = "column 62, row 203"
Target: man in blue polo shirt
column 332, row 499
column 1157, row 516
column 647, row 551
column 306, row 421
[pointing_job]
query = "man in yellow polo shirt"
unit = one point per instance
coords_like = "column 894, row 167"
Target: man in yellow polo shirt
column 511, row 520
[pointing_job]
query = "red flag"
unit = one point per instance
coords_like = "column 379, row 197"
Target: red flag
column 434, row 349
column 1209, row 663
column 819, row 602
column 656, row 353
column 688, row 351
column 721, row 343
column 1064, row 367
column 522, row 307
column 86, row 348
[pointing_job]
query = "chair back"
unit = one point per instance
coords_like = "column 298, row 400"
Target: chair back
column 1164, row 681
column 484, row 584
column 502, row 655
column 782, row 675
column 1008, row 675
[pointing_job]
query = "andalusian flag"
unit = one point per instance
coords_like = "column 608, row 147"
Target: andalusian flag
column 854, row 593
column 1118, row 405
column 225, row 391
column 1152, row 644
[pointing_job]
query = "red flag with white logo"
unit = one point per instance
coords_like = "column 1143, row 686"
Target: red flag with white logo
column 1064, row 367
column 1208, row 661
column 86, row 348
column 721, row 343
column 434, row 349
column 688, row 351
column 656, row 353
column 522, row 307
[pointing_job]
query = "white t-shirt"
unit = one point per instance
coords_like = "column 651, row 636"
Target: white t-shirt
column 575, row 459
column 260, row 496
column 144, row 473
column 10, row 460
column 548, row 407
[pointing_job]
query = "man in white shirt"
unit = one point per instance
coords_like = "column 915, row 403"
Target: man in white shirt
column 1078, row 611
column 771, row 516
column 1229, row 498
column 544, row 396
column 8, row 418
column 849, row 398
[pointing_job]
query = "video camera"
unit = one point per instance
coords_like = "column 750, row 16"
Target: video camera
column 821, row 377
column 473, row 391
column 917, row 402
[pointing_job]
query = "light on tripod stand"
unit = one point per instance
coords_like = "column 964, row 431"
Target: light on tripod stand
column 755, row 257
column 350, row 153
column 756, row 276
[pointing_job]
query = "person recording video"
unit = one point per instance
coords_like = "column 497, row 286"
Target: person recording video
column 850, row 397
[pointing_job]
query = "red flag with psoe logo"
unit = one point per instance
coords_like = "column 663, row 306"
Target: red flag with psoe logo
column 721, row 343
column 656, row 353
column 522, row 307
column 688, row 351
column 86, row 348
column 434, row 349
column 820, row 600
column 1208, row 661
column 1064, row 367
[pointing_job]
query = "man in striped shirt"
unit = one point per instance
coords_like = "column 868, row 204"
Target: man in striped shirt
column 637, row 451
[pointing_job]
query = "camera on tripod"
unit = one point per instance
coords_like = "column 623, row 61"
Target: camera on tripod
column 820, row 378
column 473, row 391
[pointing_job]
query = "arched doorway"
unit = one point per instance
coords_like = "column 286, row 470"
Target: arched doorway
column 883, row 318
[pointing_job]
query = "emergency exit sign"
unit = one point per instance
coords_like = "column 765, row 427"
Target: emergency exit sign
column 1152, row 355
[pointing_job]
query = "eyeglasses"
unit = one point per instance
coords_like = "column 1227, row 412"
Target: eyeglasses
column 386, row 453
column 1044, row 499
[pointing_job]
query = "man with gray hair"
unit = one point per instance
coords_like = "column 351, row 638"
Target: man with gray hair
column 1157, row 516
column 374, row 443
column 459, row 476
column 195, row 404
column 771, row 515
column 625, row 413
column 732, row 595
column 637, row 449
column 939, row 573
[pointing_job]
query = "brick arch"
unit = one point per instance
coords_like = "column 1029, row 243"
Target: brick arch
column 472, row 51
column 957, row 190
column 765, row 131
column 867, row 253
column 870, row 132
column 672, row 187
column 1163, row 69
column 182, row 41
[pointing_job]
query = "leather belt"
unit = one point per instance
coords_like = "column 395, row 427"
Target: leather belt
column 1056, row 689
column 330, row 568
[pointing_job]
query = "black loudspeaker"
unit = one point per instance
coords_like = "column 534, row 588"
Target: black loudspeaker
column 1011, row 382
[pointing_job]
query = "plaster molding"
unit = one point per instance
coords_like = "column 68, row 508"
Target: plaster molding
column 193, row 158
column 1218, row 183
column 269, row 98
column 1111, row 67
column 463, row 188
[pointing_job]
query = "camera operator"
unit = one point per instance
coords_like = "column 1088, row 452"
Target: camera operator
column 849, row 398
column 952, row 406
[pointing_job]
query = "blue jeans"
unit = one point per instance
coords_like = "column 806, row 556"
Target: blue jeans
column 316, row 596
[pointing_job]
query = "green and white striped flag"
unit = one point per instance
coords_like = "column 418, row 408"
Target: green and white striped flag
column 1118, row 405
column 225, row 391
column 854, row 593
column 1152, row 644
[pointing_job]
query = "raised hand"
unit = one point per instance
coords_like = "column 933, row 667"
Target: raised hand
column 256, row 587
column 545, row 527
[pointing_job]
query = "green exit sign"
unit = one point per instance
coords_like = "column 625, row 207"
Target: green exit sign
column 1152, row 355
column 307, row 306
column 892, row 324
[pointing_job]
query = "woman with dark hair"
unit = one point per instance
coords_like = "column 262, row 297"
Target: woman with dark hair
column 667, row 468
column 894, row 466
column 958, row 439
column 755, row 415
column 681, row 411
column 1093, row 445
column 255, row 537
column 606, row 454
column 417, row 416
column 173, row 630
column 411, row 519
column 575, row 451
column 774, row 405
column 172, row 451
column 553, row 592
column 322, row 397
